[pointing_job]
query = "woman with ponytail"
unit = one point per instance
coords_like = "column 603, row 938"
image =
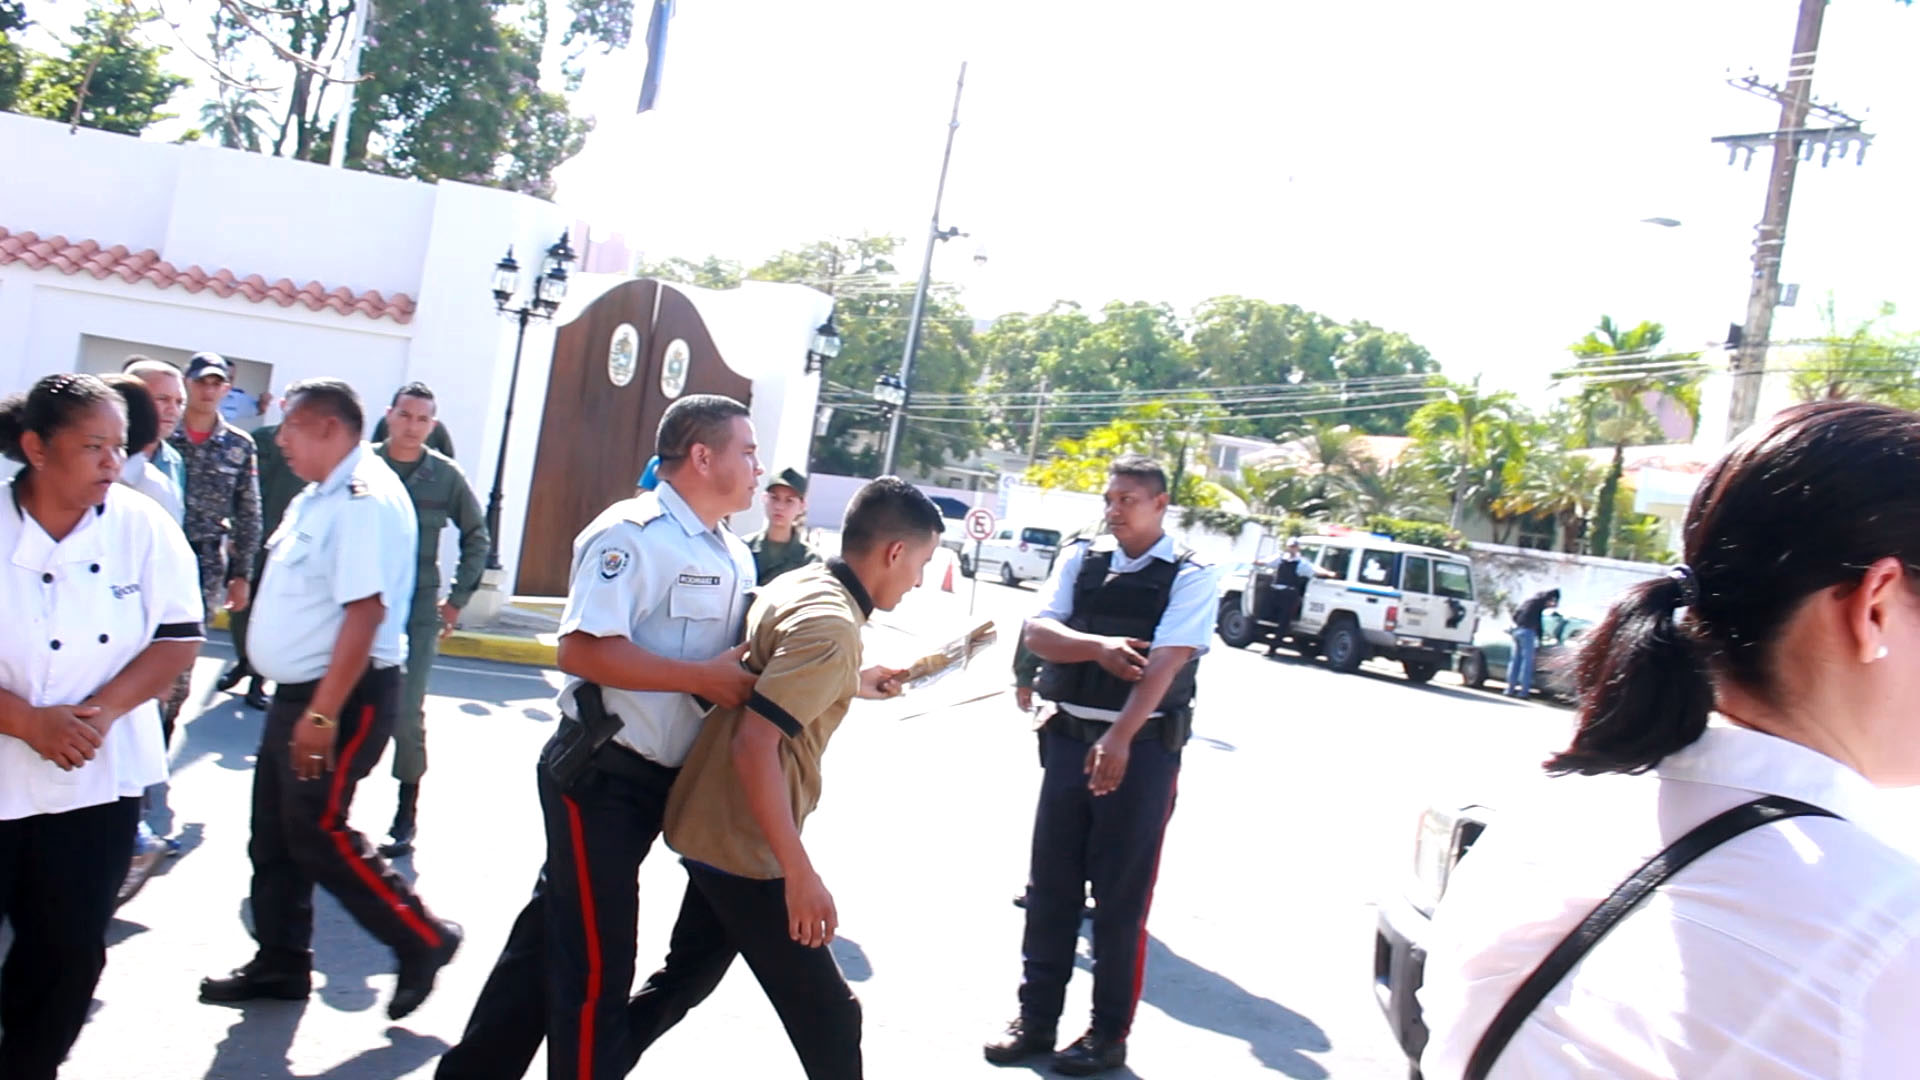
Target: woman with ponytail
column 1711, row 883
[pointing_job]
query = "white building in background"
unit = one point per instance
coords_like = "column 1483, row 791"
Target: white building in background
column 110, row 245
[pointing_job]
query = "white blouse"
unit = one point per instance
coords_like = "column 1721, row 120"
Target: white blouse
column 77, row 612
column 1790, row 951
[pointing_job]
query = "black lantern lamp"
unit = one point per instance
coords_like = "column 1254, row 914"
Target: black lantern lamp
column 548, row 292
column 826, row 346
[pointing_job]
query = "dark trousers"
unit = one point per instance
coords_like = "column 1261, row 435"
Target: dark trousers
column 723, row 916
column 568, row 964
column 301, row 837
column 59, row 875
column 237, row 620
column 1112, row 841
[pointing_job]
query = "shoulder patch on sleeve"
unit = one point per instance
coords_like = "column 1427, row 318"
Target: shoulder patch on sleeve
column 614, row 562
column 358, row 487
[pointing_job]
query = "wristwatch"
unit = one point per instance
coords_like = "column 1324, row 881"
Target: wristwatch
column 320, row 720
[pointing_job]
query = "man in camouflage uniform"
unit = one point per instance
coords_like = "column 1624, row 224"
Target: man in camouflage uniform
column 223, row 493
column 441, row 496
column 778, row 547
column 278, row 486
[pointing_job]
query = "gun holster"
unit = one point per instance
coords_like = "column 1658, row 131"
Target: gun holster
column 572, row 748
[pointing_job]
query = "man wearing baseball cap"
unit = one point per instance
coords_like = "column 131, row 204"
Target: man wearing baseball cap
column 778, row 547
column 222, row 493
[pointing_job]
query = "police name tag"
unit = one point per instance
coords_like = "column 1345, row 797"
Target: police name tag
column 699, row 579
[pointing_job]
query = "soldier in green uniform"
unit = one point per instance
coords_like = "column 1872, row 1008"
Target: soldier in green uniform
column 278, row 486
column 439, row 440
column 778, row 547
column 441, row 497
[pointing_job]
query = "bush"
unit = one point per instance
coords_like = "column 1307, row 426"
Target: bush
column 1423, row 533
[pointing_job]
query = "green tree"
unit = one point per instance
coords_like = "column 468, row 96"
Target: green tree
column 1621, row 370
column 13, row 55
column 1399, row 489
column 712, row 272
column 1281, row 489
column 1558, row 484
column 873, row 335
column 1864, row 362
column 1468, row 441
column 1159, row 431
column 1378, row 371
column 108, row 79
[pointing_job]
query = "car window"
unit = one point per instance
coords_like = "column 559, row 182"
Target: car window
column 1337, row 560
column 1005, row 534
column 1452, row 580
column 1377, row 568
column 1417, row 575
column 1043, row 537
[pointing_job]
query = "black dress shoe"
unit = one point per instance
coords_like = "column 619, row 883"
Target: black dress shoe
column 255, row 981
column 395, row 848
column 418, row 970
column 1024, row 1039
column 257, row 694
column 1091, row 1054
column 231, row 677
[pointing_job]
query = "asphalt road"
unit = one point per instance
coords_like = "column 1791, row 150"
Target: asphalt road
column 1297, row 811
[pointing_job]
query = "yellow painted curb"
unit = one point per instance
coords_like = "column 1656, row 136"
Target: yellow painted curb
column 538, row 651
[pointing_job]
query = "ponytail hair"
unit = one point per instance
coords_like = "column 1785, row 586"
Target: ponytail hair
column 54, row 402
column 1644, row 686
column 1803, row 503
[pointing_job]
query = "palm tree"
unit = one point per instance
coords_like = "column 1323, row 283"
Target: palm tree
column 1399, row 490
column 1557, row 484
column 1468, row 440
column 236, row 119
column 1280, row 489
column 1620, row 370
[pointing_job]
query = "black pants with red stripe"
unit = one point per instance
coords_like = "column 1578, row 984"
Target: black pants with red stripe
column 568, row 964
column 301, row 837
column 1113, row 842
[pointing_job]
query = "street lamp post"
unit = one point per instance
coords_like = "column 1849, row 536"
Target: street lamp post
column 934, row 236
column 549, row 289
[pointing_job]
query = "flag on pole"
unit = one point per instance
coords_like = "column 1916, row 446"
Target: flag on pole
column 656, row 52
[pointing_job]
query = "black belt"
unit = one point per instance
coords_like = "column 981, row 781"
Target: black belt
column 302, row 692
column 1091, row 731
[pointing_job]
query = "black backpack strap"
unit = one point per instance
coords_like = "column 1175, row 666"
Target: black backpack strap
column 1704, row 838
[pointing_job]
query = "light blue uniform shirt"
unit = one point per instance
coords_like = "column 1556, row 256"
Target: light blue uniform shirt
column 647, row 569
column 351, row 536
column 1191, row 610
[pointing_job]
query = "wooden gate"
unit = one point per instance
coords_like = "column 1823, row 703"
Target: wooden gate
column 604, row 402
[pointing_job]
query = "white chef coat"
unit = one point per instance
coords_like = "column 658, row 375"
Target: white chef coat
column 143, row 476
column 649, row 570
column 1790, row 951
column 351, row 536
column 77, row 612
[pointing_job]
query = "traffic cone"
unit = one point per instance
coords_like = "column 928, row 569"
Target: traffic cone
column 946, row 584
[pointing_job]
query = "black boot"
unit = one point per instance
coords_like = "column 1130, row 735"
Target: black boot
column 257, row 694
column 401, row 842
column 231, row 677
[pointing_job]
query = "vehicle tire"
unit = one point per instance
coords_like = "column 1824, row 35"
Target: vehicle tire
column 1236, row 627
column 1345, row 647
column 1474, row 671
column 966, row 567
column 1008, row 577
column 1420, row 671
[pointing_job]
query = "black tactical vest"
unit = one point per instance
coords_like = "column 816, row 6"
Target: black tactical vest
column 1120, row 605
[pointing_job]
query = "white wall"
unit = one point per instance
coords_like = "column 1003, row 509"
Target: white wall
column 1588, row 584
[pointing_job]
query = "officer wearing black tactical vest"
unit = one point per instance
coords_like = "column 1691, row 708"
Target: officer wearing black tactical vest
column 1121, row 628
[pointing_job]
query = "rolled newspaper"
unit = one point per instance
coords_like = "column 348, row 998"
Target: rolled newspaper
column 950, row 657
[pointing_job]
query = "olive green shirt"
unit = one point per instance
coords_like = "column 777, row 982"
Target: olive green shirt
column 441, row 497
column 771, row 559
column 278, row 484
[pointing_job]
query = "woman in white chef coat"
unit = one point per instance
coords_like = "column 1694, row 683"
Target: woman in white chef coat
column 1780, row 666
column 102, row 611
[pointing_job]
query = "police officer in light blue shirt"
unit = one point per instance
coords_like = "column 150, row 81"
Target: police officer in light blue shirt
column 650, row 639
column 330, row 628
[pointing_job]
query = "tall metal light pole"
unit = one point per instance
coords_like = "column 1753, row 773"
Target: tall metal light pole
column 548, row 290
column 935, row 234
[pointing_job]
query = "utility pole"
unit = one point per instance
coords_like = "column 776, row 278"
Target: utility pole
column 359, row 17
column 934, row 236
column 1033, row 441
column 1788, row 140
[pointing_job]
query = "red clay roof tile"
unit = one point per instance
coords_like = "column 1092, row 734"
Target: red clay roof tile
column 131, row 266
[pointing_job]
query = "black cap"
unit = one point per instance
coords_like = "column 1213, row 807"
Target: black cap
column 209, row 363
column 789, row 477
